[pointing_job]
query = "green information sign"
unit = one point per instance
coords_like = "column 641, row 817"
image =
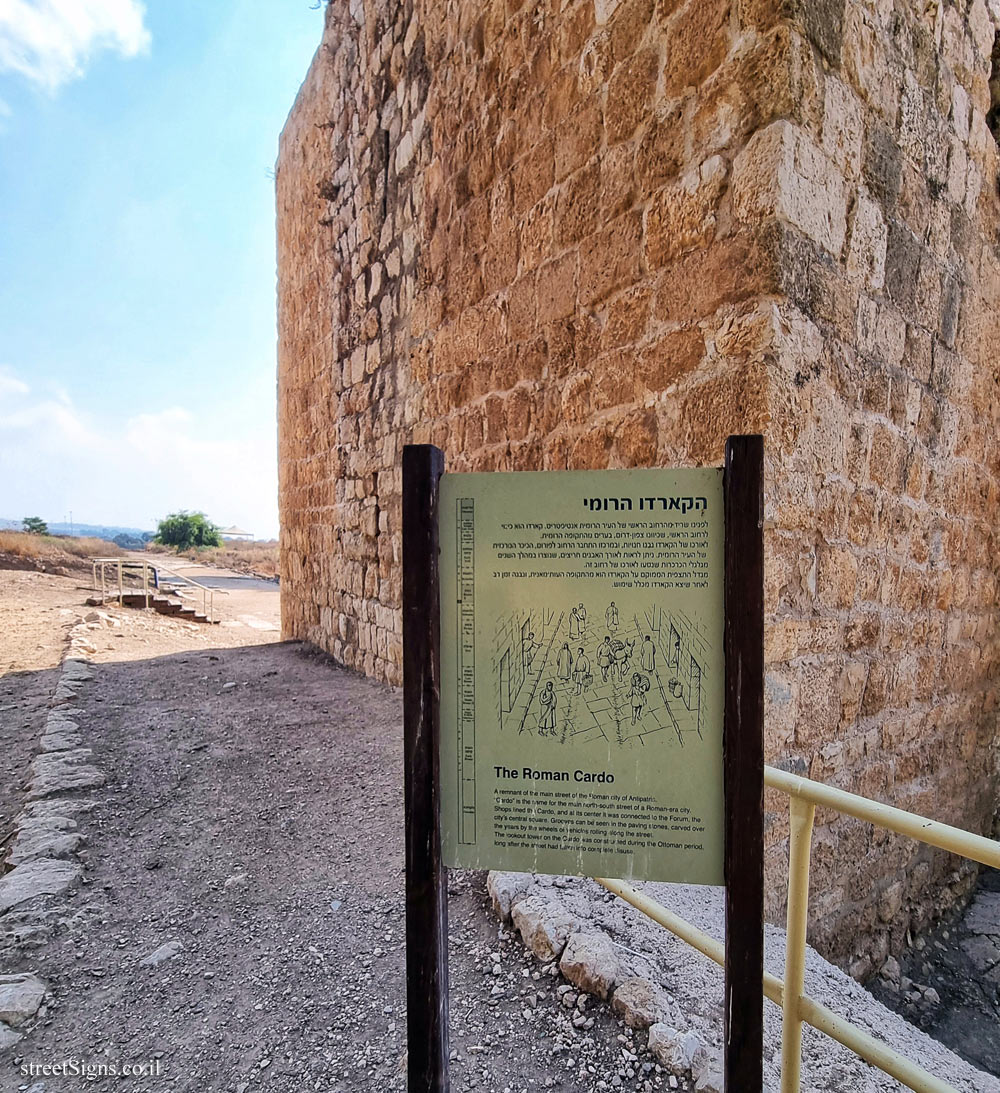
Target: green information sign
column 582, row 673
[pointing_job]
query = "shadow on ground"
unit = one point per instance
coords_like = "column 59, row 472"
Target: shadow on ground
column 252, row 817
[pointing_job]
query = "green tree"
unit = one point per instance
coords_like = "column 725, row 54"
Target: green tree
column 184, row 530
column 35, row 524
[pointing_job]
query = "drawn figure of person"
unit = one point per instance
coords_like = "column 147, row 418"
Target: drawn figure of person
column 647, row 658
column 611, row 616
column 530, row 648
column 581, row 615
column 564, row 663
column 547, row 718
column 605, row 657
column 637, row 695
column 574, row 623
column 623, row 657
column 581, row 669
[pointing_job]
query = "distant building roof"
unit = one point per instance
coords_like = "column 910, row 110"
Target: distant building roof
column 234, row 530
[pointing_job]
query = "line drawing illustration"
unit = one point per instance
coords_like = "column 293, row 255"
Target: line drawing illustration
column 566, row 674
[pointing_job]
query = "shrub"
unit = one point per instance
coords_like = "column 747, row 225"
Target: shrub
column 184, row 530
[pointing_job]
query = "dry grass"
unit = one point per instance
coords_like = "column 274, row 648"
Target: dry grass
column 51, row 550
column 260, row 558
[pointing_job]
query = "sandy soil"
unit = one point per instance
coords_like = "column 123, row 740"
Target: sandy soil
column 253, row 815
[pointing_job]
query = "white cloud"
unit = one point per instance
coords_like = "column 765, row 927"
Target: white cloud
column 10, row 384
column 50, row 42
column 54, row 458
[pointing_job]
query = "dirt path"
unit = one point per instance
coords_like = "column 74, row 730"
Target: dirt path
column 252, row 819
column 35, row 615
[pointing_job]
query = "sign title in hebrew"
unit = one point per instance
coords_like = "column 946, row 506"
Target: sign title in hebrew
column 678, row 504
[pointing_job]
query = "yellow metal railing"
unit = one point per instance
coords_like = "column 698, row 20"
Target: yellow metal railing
column 119, row 565
column 803, row 797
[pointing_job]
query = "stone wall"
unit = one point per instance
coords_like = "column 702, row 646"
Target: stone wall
column 882, row 557
column 604, row 234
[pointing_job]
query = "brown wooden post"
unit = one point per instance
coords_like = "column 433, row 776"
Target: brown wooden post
column 426, row 879
column 743, row 762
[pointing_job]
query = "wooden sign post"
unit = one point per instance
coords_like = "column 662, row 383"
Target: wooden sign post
column 743, row 762
column 703, row 822
column 426, row 879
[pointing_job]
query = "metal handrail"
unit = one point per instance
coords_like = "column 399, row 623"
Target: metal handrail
column 804, row 795
column 207, row 593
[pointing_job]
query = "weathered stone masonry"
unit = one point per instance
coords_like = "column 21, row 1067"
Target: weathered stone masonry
column 605, row 233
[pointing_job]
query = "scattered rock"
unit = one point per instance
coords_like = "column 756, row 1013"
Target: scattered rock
column 641, row 1003
column 166, row 951
column 589, row 960
column 891, row 970
column 8, row 1037
column 710, row 1080
column 41, row 877
column 20, row 997
column 680, row 1052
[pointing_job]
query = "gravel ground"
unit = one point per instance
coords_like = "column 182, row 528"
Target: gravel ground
column 251, row 821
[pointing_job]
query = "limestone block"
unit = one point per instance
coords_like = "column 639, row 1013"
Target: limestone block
column 680, row 1052
column 590, row 962
column 543, row 926
column 843, row 127
column 869, row 238
column 47, row 837
column 682, row 216
column 641, row 1004
column 41, row 877
column 506, row 890
column 57, row 772
column 20, row 997
column 782, row 173
column 8, row 1037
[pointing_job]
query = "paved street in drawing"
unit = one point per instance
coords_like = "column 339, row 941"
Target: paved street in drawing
column 641, row 680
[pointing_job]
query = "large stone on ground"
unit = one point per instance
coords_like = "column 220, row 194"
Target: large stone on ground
column 64, row 692
column 57, row 740
column 506, row 889
column 544, row 926
column 42, row 877
column 590, row 962
column 20, row 997
column 680, row 1052
column 57, row 809
column 48, row 837
column 8, row 1037
column 983, row 916
column 58, row 772
column 76, row 671
column 641, row 1003
column 166, row 951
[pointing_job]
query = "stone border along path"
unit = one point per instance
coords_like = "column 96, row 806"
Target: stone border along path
column 43, row 853
column 656, row 982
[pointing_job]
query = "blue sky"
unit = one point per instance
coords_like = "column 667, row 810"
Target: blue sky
column 137, row 326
